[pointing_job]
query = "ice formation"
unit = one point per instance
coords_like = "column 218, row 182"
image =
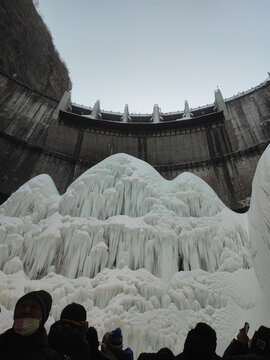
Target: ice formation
column 149, row 255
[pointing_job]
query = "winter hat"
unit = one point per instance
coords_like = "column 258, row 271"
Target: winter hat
column 43, row 298
column 163, row 353
column 261, row 341
column 115, row 338
column 74, row 312
column 206, row 332
column 167, row 353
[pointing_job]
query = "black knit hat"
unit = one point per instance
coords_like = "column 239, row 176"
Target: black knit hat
column 205, row 331
column 43, row 298
column 260, row 343
column 115, row 338
column 74, row 312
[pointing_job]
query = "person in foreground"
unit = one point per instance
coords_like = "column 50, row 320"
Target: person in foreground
column 27, row 339
column 112, row 346
column 92, row 338
column 162, row 354
column 68, row 335
column 258, row 348
column 200, row 343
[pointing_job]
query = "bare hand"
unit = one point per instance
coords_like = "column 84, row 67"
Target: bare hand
column 242, row 337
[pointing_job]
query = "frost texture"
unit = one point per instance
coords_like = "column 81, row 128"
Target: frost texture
column 139, row 252
column 123, row 210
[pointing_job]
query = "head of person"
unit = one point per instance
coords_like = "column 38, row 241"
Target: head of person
column 75, row 312
column 201, row 342
column 163, row 353
column 260, row 342
column 31, row 312
column 115, row 339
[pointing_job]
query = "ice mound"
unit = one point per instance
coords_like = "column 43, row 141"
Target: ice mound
column 124, row 185
column 37, row 198
column 140, row 252
column 151, row 313
column 122, row 210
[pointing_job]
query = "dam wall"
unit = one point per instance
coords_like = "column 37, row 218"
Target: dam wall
column 221, row 142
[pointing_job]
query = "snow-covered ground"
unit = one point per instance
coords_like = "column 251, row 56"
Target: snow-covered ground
column 148, row 255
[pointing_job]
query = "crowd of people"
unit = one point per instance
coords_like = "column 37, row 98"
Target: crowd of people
column 71, row 338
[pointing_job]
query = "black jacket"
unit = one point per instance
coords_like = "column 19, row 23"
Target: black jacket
column 162, row 354
column 33, row 347
column 236, row 348
column 249, row 356
column 113, row 354
column 198, row 348
column 69, row 338
column 238, row 351
column 92, row 338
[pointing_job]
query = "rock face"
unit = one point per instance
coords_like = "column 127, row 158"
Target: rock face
column 27, row 52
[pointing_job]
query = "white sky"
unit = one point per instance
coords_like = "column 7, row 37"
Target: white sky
column 146, row 52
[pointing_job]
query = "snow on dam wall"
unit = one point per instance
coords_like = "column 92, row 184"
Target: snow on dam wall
column 221, row 143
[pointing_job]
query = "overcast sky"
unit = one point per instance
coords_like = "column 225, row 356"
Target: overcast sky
column 146, row 52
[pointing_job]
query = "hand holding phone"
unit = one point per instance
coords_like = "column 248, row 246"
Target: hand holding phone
column 246, row 327
column 242, row 336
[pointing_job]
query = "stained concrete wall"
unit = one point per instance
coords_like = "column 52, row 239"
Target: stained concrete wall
column 24, row 119
column 185, row 141
column 249, row 118
column 230, row 176
column 223, row 150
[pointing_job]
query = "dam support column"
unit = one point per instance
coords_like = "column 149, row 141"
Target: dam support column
column 220, row 104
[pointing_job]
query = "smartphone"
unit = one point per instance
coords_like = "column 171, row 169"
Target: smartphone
column 246, row 327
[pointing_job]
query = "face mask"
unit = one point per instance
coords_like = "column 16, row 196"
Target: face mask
column 26, row 326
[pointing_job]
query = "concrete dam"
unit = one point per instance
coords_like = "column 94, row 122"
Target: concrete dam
column 221, row 142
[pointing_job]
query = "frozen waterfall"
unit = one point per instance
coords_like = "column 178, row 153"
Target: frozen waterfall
column 139, row 251
column 122, row 210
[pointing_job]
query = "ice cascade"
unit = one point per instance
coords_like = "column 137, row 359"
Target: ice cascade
column 148, row 255
column 122, row 210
